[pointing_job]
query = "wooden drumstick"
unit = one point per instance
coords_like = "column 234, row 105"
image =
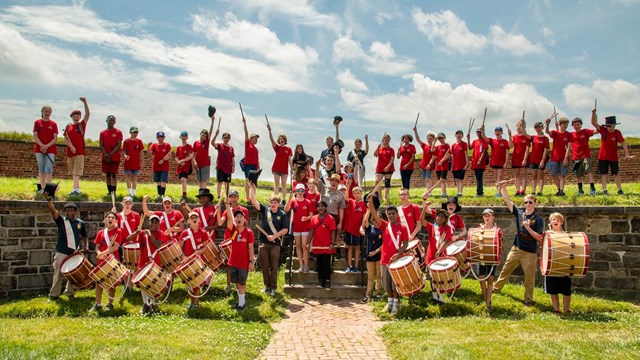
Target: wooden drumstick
column 113, row 199
column 503, row 182
column 321, row 248
column 485, row 116
column 426, row 193
column 263, row 232
column 141, row 221
column 417, row 117
column 219, row 122
column 595, row 104
column 265, row 116
column 241, row 112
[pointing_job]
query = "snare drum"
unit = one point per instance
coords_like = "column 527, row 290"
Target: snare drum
column 76, row 268
column 458, row 250
column 194, row 273
column 416, row 249
column 152, row 280
column 484, row 246
column 212, row 256
column 109, row 273
column 565, row 254
column 407, row 276
column 131, row 255
column 171, row 256
column 225, row 248
column 445, row 274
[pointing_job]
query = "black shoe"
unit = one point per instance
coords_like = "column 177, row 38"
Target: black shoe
column 605, row 192
column 145, row 309
column 365, row 300
column 327, row 285
column 54, row 298
column 539, row 194
column 620, row 192
column 109, row 306
column 96, row 307
column 241, row 307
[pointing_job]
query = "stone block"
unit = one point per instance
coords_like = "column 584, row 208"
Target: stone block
column 45, row 269
column 631, row 261
column 4, row 267
column 578, row 223
column 8, row 242
column 606, row 256
column 24, row 270
column 620, row 226
column 599, row 266
column 584, row 282
column 48, row 232
column 34, row 281
column 600, row 226
column 18, row 263
column 22, row 233
column 31, row 244
column 616, row 283
column 49, row 245
column 14, row 255
column 8, row 283
column 17, row 221
column 635, row 225
column 611, row 238
column 632, row 239
column 40, row 257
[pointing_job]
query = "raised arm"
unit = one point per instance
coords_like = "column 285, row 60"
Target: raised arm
column 415, row 132
column 505, row 196
column 252, row 196
column 87, row 113
column 273, row 142
column 366, row 144
column 594, row 120
column 145, row 207
column 244, row 125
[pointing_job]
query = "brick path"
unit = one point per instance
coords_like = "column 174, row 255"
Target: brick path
column 326, row 329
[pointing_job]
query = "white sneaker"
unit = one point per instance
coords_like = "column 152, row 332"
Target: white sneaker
column 387, row 308
column 394, row 310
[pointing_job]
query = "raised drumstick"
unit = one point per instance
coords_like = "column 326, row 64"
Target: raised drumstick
column 219, row 122
column 431, row 188
column 262, row 230
column 485, row 116
column 417, row 117
column 241, row 112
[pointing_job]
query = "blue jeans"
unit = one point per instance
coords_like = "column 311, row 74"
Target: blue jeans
column 479, row 186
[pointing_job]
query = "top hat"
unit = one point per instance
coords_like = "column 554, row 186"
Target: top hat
column 376, row 199
column 205, row 192
column 253, row 176
column 337, row 119
column 212, row 110
column 610, row 120
column 452, row 199
column 340, row 143
column 50, row 188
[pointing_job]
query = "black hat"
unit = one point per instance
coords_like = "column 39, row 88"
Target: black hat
column 310, row 159
column 70, row 204
column 50, row 188
column 376, row 199
column 205, row 192
column 454, row 200
column 212, row 110
column 337, row 119
column 340, row 143
column 254, row 175
column 610, row 120
column 442, row 212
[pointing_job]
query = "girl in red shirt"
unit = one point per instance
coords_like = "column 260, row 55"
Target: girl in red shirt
column 520, row 157
column 107, row 243
column 425, row 163
column 45, row 135
column 302, row 212
column 150, row 241
column 499, row 154
column 184, row 155
column 384, row 167
column 538, row 158
column 312, row 194
column 191, row 241
column 407, row 154
column 440, row 155
column 459, row 160
column 132, row 148
column 323, row 243
column 281, row 163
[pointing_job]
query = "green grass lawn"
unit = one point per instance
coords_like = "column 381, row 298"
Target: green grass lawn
column 462, row 329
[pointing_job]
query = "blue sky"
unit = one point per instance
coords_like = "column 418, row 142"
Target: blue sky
column 158, row 64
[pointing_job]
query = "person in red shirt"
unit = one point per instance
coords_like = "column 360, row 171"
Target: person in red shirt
column 312, row 194
column 150, row 241
column 132, row 149
column 350, row 178
column 395, row 239
column 538, row 158
column 441, row 153
column 251, row 160
column 110, row 145
column 520, row 157
column 225, row 162
column 487, row 273
column 170, row 219
column 409, row 214
column 499, row 154
column 479, row 159
column 207, row 211
column 581, row 155
column 45, row 135
column 407, row 154
column 384, row 167
column 610, row 137
column 559, row 163
column 281, row 163
column 128, row 221
column 201, row 160
column 426, row 163
column 184, row 156
column 459, row 161
column 440, row 236
column 107, row 243
column 242, row 257
column 74, row 139
column 323, row 234
column 222, row 219
column 301, row 176
column 353, row 229
column 191, row 241
column 160, row 153
column 302, row 209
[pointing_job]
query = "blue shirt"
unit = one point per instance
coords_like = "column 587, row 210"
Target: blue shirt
column 279, row 219
column 374, row 242
column 79, row 232
column 523, row 240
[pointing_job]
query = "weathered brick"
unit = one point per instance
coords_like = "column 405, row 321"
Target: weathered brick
column 632, row 239
column 24, row 270
column 14, row 255
column 611, row 238
column 584, row 282
column 8, row 283
column 616, row 283
column 50, row 232
column 4, row 267
column 17, row 221
column 8, row 242
column 40, row 257
column 600, row 226
column 34, row 281
column 631, row 260
column 577, row 223
column 606, row 256
column 598, row 266
column 22, row 233
column 635, row 225
column 620, row 226
column 45, row 269
column 29, row 244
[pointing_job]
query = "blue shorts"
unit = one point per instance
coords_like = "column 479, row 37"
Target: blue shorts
column 427, row 174
column 132, row 172
column 351, row 239
column 45, row 162
column 203, row 174
column 556, row 168
column 248, row 168
column 160, row 176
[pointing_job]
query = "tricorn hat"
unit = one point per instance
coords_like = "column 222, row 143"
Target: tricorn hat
column 212, row 110
column 376, row 199
column 337, row 119
column 610, row 120
column 454, row 200
column 205, row 192
column 50, row 188
column 254, row 175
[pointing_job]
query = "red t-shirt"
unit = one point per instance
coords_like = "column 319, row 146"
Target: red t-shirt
column 455, row 220
column 560, row 142
column 201, row 148
column 103, row 245
column 322, row 229
column 388, row 247
column 147, row 248
column 411, row 214
column 224, row 161
column 580, row 144
column 407, row 157
column 426, row 156
column 520, row 146
column 480, row 156
column 251, row 154
column 499, row 150
column 132, row 219
column 239, row 207
column 314, row 198
column 609, row 144
column 207, row 215
column 540, row 143
column 46, row 131
column 301, row 209
column 353, row 215
column 159, row 152
column 440, row 150
column 459, row 154
column 75, row 133
column 133, row 148
column 110, row 138
column 172, row 218
column 182, row 152
column 304, row 182
column 240, row 247
column 385, row 155
column 445, row 230
column 281, row 161
column 191, row 245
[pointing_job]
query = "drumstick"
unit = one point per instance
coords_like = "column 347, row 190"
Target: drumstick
column 523, row 114
column 219, row 122
column 265, row 116
column 432, row 187
column 505, row 182
column 141, row 222
column 485, row 116
column 263, row 232
column 321, row 248
column 595, row 104
column 241, row 112
column 417, row 117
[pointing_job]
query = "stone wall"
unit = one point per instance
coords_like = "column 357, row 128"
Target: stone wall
column 28, row 236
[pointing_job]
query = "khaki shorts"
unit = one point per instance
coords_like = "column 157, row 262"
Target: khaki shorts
column 76, row 165
column 387, row 280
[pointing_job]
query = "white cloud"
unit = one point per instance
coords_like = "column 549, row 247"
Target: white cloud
column 617, row 94
column 548, row 35
column 516, row 44
column 381, row 58
column 300, row 11
column 347, row 80
column 626, row 2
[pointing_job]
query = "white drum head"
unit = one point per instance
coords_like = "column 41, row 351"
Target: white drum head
column 72, row 263
column 457, row 247
column 133, row 246
column 143, row 272
column 443, row 264
column 401, row 262
column 412, row 244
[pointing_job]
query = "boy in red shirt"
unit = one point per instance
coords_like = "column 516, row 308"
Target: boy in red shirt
column 207, row 211
column 409, row 214
column 440, row 156
column 170, row 219
column 184, row 155
column 202, row 160
column 608, row 154
column 107, row 243
column 110, row 144
column 251, row 159
column 384, row 167
column 312, row 194
column 222, row 218
column 302, row 212
column 281, row 162
column 191, row 241
column 132, row 148
column 225, row 162
column 45, row 135
column 150, row 241
column 160, row 153
column 538, row 158
column 440, row 236
column 520, row 157
column 407, row 154
column 353, row 229
column 242, row 257
column 581, row 155
column 559, row 163
column 426, row 163
column 479, row 159
column 499, row 153
column 74, row 139
column 459, row 161
column 323, row 243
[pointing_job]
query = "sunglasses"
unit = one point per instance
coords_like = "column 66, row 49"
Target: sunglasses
column 528, row 202
column 404, row 194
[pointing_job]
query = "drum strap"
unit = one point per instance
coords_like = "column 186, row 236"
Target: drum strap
column 105, row 234
column 148, row 246
column 270, row 221
column 71, row 238
column 125, row 223
column 403, row 219
column 395, row 240
column 205, row 223
column 191, row 238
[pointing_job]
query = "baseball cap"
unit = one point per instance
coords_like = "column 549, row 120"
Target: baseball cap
column 160, row 134
column 154, row 216
column 254, row 135
column 233, row 192
column 238, row 212
column 348, row 163
column 75, row 112
column 342, row 187
column 300, row 187
column 538, row 124
column 111, row 117
column 127, row 198
column 167, row 198
column 487, row 211
column 498, row 128
column 193, row 213
column 133, row 129
column 184, row 133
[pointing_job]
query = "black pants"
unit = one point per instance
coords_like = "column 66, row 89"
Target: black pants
column 269, row 260
column 479, row 186
column 406, row 178
column 323, row 262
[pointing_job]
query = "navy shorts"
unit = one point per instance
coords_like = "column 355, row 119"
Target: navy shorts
column 351, row 239
column 160, row 176
column 557, row 285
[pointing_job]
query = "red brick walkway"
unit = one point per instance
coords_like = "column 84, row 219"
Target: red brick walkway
column 326, row 329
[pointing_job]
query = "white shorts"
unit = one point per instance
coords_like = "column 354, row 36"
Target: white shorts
column 304, row 233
